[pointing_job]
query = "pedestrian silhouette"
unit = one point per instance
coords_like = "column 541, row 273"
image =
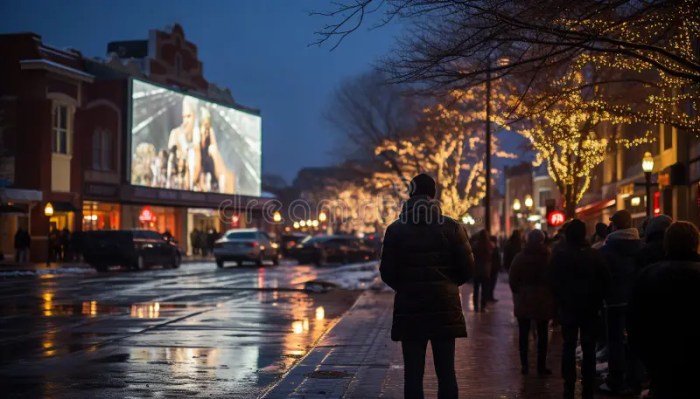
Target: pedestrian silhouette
column 530, row 281
column 483, row 258
column 580, row 281
column 663, row 327
column 425, row 258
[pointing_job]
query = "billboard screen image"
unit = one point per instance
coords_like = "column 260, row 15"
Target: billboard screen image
column 182, row 142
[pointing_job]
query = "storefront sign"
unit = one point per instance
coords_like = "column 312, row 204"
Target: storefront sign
column 556, row 218
column 147, row 215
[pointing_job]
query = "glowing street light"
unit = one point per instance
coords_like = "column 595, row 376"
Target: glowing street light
column 302, row 223
column 296, row 225
column 48, row 212
column 647, row 162
column 516, row 205
column 277, row 217
column 322, row 217
column 647, row 167
column 48, row 209
column 528, row 201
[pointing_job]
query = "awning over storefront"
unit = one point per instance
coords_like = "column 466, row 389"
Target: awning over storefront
column 12, row 209
column 19, row 195
column 63, row 206
column 594, row 207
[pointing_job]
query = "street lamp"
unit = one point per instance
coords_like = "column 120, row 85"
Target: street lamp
column 48, row 212
column 322, row 217
column 516, row 205
column 501, row 63
column 277, row 218
column 529, row 202
column 647, row 167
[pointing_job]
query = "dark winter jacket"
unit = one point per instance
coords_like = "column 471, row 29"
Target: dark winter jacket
column 651, row 252
column 509, row 251
column 531, row 282
column 22, row 239
column 425, row 258
column 663, row 326
column 620, row 251
column 581, row 281
column 483, row 257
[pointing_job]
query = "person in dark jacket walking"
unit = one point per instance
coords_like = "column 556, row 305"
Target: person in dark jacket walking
column 663, row 327
column 653, row 249
column 425, row 258
column 530, row 281
column 580, row 281
column 620, row 251
column 495, row 269
column 22, row 243
column 513, row 247
column 483, row 256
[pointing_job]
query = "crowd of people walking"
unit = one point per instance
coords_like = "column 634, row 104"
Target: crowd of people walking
column 625, row 297
column 624, row 300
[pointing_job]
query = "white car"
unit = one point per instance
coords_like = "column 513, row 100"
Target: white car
column 242, row 245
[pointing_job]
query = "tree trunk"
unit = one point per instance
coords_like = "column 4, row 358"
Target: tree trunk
column 570, row 202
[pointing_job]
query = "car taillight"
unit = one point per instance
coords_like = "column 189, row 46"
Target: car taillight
column 253, row 244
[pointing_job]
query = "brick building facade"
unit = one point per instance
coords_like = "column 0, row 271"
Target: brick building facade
column 64, row 136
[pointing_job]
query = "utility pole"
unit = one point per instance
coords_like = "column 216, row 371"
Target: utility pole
column 487, row 194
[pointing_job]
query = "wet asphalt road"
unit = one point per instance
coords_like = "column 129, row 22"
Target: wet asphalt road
column 197, row 331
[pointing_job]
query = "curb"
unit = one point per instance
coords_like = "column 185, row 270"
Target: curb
column 350, row 360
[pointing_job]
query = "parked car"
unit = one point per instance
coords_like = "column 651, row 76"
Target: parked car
column 242, row 245
column 320, row 250
column 134, row 249
column 289, row 242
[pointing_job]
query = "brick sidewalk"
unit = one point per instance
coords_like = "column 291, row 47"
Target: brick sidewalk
column 357, row 359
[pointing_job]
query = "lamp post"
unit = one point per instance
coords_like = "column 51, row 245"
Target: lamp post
column 277, row 218
column 647, row 167
column 48, row 212
column 516, row 209
column 502, row 62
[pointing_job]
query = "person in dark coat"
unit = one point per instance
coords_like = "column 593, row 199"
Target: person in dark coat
column 22, row 243
column 663, row 327
column 653, row 249
column 580, row 281
column 530, row 281
column 620, row 252
column 425, row 258
column 495, row 269
column 483, row 252
column 601, row 232
column 513, row 247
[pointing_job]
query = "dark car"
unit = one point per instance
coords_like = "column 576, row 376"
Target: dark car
column 321, row 250
column 241, row 245
column 290, row 242
column 134, row 249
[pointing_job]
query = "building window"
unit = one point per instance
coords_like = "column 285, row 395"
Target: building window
column 102, row 150
column 60, row 129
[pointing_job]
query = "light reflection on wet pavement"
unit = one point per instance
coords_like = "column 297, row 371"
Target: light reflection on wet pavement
column 197, row 331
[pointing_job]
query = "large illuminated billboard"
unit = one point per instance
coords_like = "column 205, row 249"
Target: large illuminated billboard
column 182, row 142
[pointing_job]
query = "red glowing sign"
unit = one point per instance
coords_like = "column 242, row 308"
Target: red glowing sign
column 657, row 206
column 147, row 215
column 556, row 218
